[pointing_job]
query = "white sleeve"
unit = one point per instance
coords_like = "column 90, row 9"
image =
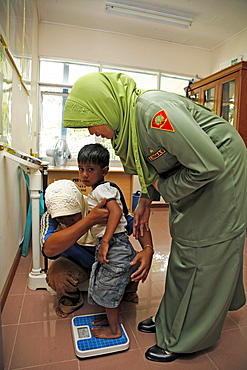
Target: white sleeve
column 105, row 191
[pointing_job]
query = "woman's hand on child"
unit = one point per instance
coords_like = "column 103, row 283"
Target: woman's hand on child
column 141, row 217
column 145, row 259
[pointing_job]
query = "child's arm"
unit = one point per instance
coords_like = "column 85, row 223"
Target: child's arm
column 115, row 213
column 144, row 257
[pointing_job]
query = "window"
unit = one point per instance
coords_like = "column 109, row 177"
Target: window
column 144, row 80
column 56, row 80
column 54, row 72
column 174, row 84
column 51, row 118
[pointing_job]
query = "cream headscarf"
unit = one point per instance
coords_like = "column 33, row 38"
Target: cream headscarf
column 64, row 198
column 110, row 99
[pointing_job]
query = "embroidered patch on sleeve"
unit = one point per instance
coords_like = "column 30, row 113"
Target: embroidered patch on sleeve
column 161, row 122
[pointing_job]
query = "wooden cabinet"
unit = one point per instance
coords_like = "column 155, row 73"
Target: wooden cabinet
column 115, row 174
column 225, row 93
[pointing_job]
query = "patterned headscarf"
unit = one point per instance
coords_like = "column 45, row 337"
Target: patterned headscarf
column 110, row 99
column 64, row 198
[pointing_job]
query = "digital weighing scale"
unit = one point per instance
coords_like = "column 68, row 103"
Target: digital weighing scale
column 86, row 345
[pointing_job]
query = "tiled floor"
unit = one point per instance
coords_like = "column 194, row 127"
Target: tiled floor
column 35, row 338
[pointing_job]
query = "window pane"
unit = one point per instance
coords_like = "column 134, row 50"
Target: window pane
column 107, row 144
column 50, row 131
column 78, row 70
column 228, row 101
column 174, row 84
column 144, row 80
column 76, row 138
column 51, row 72
column 62, row 72
column 209, row 99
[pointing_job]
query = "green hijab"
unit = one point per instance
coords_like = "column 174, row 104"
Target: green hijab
column 110, row 99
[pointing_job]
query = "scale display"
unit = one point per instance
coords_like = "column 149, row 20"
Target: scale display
column 86, row 345
column 84, row 332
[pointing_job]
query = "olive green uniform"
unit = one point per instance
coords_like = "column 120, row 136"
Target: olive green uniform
column 203, row 165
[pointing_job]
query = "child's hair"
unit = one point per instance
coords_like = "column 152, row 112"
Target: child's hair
column 94, row 153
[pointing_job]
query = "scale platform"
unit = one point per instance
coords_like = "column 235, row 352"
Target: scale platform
column 86, row 345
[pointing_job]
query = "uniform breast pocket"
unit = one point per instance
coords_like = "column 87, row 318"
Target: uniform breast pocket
column 163, row 161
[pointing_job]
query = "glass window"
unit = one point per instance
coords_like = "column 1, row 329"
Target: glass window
column 209, row 99
column 52, row 130
column 52, row 105
column 174, row 84
column 228, row 98
column 144, row 80
column 78, row 70
column 61, row 72
column 51, row 118
column 51, row 72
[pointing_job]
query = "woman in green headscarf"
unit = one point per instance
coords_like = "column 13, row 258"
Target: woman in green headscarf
column 197, row 162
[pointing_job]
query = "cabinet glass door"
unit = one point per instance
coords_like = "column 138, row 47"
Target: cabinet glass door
column 209, row 99
column 228, row 101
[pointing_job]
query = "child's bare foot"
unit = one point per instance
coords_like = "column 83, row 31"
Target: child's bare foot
column 60, row 313
column 106, row 333
column 102, row 320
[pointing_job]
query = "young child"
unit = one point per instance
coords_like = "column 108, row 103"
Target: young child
column 112, row 270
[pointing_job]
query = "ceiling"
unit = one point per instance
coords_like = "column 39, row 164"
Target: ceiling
column 214, row 21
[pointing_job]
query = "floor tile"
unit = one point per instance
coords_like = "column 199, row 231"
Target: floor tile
column 62, row 365
column 230, row 352
column 35, row 338
column 19, row 284
column 12, row 309
column 9, row 333
column 229, row 324
column 121, row 361
column 239, row 316
column 38, row 306
column 25, row 265
column 43, row 343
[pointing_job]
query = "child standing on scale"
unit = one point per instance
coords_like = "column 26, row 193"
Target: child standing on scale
column 115, row 260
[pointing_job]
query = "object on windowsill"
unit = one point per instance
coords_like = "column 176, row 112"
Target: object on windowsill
column 60, row 154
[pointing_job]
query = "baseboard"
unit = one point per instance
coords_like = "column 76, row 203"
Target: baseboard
column 9, row 279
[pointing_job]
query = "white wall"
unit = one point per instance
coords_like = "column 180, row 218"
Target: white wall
column 81, row 44
column 229, row 50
